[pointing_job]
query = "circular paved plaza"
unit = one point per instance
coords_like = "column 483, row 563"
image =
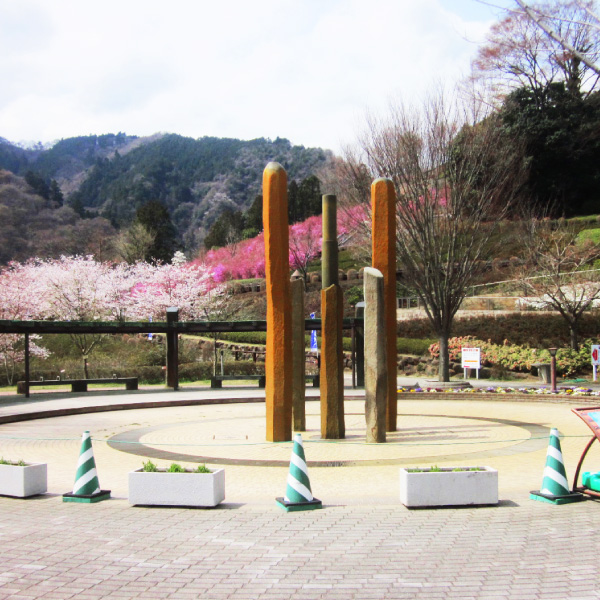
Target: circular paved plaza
column 363, row 544
column 509, row 436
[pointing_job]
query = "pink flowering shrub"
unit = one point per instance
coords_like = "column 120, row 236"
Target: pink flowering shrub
column 246, row 259
column 242, row 260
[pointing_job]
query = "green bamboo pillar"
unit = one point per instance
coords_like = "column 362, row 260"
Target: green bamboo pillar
column 172, row 349
column 329, row 247
column 332, row 306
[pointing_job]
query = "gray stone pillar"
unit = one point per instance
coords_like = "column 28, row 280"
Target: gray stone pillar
column 375, row 356
column 360, row 346
column 298, row 356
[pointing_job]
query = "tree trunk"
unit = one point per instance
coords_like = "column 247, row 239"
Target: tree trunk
column 215, row 354
column 574, row 336
column 85, row 368
column 444, row 368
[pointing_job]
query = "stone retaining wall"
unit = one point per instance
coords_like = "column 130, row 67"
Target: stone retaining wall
column 501, row 397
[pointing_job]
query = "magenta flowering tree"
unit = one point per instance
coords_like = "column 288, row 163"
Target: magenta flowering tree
column 305, row 243
column 243, row 260
column 246, row 259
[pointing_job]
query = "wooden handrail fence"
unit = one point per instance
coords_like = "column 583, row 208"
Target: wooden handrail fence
column 172, row 328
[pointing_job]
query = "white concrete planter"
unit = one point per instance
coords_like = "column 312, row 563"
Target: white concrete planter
column 176, row 489
column 29, row 480
column 448, row 487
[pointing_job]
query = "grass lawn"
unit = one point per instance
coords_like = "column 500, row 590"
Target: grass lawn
column 590, row 234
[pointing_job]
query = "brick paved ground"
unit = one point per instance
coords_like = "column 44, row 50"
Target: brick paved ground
column 362, row 545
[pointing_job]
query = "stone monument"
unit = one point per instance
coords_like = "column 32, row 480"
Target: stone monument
column 278, row 359
column 376, row 372
column 383, row 205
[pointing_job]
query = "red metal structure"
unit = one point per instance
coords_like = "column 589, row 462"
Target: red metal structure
column 591, row 417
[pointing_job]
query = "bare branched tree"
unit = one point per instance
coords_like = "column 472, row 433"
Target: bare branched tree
column 574, row 28
column 455, row 181
column 133, row 244
column 539, row 43
column 559, row 274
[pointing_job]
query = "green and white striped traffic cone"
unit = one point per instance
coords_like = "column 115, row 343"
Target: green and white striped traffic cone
column 555, row 487
column 87, row 487
column 298, row 495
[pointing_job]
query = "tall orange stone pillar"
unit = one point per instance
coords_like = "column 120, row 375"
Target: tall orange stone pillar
column 278, row 360
column 383, row 205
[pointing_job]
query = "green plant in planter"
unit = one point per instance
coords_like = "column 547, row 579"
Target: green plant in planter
column 19, row 463
column 149, row 467
column 175, row 468
column 202, row 469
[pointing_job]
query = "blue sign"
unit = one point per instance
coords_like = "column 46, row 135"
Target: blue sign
column 313, row 335
column 150, row 335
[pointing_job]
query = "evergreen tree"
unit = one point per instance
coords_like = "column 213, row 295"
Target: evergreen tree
column 154, row 216
column 293, row 202
column 55, row 194
column 253, row 219
column 38, row 184
column 227, row 229
column 309, row 198
column 560, row 132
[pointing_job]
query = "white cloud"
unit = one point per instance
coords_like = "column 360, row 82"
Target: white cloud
column 305, row 70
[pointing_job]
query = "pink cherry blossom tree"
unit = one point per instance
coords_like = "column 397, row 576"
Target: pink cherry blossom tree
column 189, row 287
column 80, row 288
column 19, row 300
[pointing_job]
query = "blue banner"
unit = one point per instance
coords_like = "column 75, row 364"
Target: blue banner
column 313, row 335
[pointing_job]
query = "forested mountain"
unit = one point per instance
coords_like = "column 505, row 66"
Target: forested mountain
column 112, row 176
column 32, row 225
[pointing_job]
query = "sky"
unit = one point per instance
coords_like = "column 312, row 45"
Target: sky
column 305, row 70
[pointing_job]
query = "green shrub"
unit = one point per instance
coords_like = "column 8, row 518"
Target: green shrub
column 354, row 295
column 518, row 358
column 244, row 337
column 202, row 469
column 416, row 347
column 535, row 330
column 149, row 467
column 175, row 468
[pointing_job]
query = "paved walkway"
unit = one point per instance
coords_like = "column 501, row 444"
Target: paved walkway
column 363, row 544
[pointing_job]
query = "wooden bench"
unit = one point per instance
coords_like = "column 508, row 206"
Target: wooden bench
column 217, row 380
column 80, row 385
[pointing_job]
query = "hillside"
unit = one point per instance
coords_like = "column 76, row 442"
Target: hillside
column 31, row 225
column 113, row 175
